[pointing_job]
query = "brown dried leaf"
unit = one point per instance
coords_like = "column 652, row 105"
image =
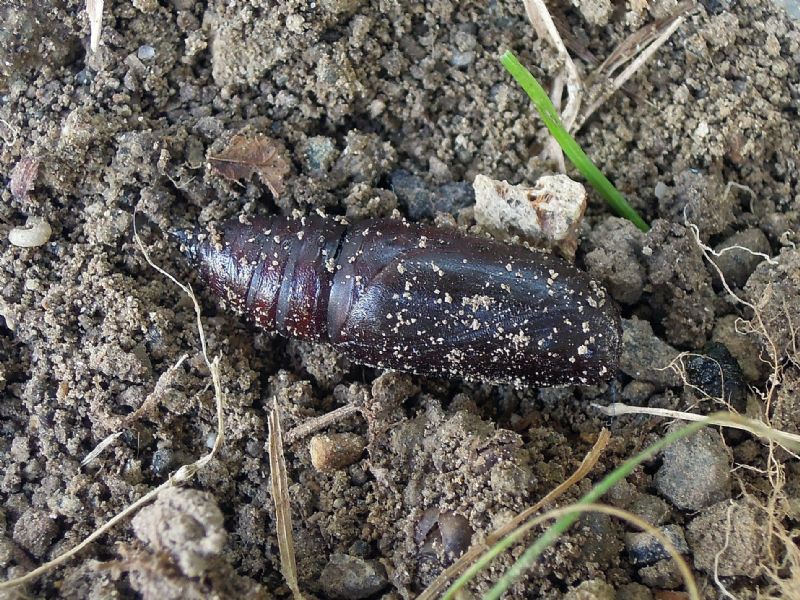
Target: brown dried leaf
column 257, row 154
column 22, row 177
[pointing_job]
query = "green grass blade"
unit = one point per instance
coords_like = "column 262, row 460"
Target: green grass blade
column 568, row 144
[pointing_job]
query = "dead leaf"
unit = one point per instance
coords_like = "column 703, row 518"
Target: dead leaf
column 257, row 154
column 22, row 177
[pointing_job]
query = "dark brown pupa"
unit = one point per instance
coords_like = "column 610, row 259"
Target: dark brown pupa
column 397, row 295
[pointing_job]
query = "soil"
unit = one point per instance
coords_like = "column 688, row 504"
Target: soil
column 363, row 95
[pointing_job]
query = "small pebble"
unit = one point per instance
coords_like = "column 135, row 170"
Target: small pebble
column 335, row 451
column 318, row 154
column 645, row 549
column 695, row 472
column 162, row 462
column 462, row 59
column 352, row 578
column 717, row 374
column 146, row 52
column 651, row 508
column 663, row 574
column 36, row 232
column 637, row 392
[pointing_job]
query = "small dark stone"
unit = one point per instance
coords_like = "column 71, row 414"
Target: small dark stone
column 718, row 374
column 163, row 461
column 644, row 549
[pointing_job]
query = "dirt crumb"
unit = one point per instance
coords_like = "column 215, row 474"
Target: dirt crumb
column 646, row 357
column 744, row 528
column 35, row 531
column 679, row 285
column 775, row 290
column 614, row 258
column 187, row 524
column 352, row 577
column 591, row 590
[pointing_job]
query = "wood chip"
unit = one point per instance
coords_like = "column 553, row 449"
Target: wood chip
column 246, row 155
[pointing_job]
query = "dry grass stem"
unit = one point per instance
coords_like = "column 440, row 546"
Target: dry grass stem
column 180, row 476
column 632, row 45
column 98, row 450
column 279, row 482
column 546, row 29
column 609, row 88
column 474, row 551
column 785, row 439
column 8, row 132
column 94, row 8
column 316, row 423
column 158, row 391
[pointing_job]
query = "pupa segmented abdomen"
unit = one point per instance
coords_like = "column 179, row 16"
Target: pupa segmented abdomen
column 411, row 297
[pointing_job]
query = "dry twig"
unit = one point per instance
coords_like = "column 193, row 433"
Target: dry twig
column 315, row 424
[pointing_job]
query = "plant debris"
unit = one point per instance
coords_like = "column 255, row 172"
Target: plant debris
column 23, row 176
column 244, row 156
